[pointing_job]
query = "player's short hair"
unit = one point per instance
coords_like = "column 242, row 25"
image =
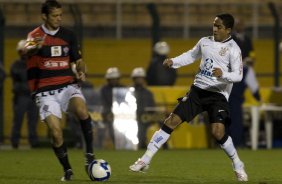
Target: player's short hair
column 49, row 5
column 227, row 20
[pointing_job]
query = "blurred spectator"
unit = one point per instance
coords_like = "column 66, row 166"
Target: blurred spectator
column 249, row 80
column 145, row 100
column 2, row 75
column 22, row 101
column 244, row 42
column 157, row 75
column 2, row 78
column 113, row 80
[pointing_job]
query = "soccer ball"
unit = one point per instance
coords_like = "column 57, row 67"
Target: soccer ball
column 99, row 170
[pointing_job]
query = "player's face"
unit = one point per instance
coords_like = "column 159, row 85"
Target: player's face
column 53, row 19
column 220, row 32
column 139, row 81
column 113, row 82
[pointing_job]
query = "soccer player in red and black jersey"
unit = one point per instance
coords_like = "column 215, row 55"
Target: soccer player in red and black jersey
column 54, row 68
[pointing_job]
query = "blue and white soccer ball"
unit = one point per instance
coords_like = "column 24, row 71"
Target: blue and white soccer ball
column 99, row 170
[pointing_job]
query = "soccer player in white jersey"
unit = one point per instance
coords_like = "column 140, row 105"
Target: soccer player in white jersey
column 220, row 67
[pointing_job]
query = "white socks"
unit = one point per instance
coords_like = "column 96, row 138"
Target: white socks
column 231, row 151
column 158, row 139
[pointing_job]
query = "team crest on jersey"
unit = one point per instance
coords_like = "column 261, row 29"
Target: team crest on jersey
column 223, row 51
column 66, row 51
column 56, row 51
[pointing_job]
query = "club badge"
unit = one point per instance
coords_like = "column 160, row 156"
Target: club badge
column 223, row 51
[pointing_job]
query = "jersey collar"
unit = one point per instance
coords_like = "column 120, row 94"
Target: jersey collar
column 228, row 39
column 47, row 31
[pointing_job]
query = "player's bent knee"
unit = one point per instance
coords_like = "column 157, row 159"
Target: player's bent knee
column 172, row 121
column 57, row 139
column 82, row 113
column 217, row 134
column 217, row 130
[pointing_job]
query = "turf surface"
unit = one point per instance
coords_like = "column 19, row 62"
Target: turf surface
column 40, row 166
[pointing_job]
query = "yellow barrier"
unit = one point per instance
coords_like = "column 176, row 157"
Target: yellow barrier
column 129, row 53
column 268, row 95
column 195, row 135
column 185, row 136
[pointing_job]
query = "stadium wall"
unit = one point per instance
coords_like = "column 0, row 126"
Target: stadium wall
column 99, row 54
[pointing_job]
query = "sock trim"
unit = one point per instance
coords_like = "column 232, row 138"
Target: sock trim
column 223, row 139
column 166, row 129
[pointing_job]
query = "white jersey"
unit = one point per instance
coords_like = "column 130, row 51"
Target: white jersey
column 225, row 55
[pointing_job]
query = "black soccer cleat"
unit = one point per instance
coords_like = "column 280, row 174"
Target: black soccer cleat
column 89, row 157
column 67, row 176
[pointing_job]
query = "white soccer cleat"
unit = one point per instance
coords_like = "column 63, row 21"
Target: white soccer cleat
column 139, row 166
column 240, row 172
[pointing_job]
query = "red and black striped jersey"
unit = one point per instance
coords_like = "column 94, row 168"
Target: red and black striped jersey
column 50, row 67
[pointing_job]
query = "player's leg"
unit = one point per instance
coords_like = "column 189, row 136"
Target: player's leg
column 186, row 110
column 78, row 107
column 159, row 138
column 219, row 117
column 50, row 113
column 59, row 147
column 226, row 143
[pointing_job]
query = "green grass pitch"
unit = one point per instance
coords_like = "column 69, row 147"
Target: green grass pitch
column 39, row 166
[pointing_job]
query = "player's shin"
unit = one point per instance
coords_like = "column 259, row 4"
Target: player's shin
column 86, row 127
column 61, row 153
column 159, row 138
column 227, row 145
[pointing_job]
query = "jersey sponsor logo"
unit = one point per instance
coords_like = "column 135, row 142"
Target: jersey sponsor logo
column 56, row 51
column 223, row 51
column 206, row 71
column 55, row 64
column 208, row 64
column 158, row 139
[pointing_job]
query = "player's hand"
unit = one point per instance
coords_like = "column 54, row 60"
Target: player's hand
column 34, row 44
column 217, row 72
column 81, row 76
column 167, row 63
column 39, row 41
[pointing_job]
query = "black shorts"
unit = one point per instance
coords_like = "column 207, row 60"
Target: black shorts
column 198, row 100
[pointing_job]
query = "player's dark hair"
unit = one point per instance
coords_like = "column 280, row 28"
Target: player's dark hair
column 49, row 5
column 227, row 20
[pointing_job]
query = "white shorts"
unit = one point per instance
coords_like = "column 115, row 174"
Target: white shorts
column 55, row 101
